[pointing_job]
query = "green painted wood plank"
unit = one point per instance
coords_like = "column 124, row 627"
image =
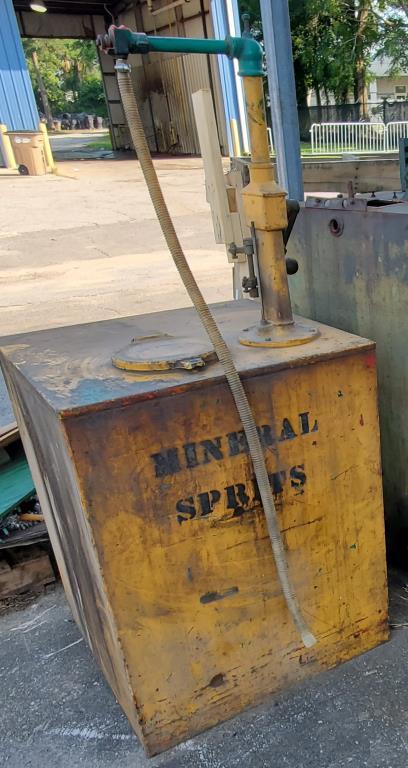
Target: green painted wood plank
column 16, row 484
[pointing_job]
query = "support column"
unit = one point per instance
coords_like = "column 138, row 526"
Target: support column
column 236, row 132
column 282, row 94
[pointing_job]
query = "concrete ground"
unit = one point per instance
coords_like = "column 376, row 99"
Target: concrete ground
column 58, row 711
column 85, row 245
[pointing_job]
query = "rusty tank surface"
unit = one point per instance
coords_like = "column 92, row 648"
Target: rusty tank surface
column 155, row 518
column 352, row 255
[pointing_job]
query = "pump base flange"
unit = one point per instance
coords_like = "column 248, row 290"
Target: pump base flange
column 271, row 335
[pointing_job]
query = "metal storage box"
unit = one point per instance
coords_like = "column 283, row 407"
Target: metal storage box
column 352, row 256
column 155, row 519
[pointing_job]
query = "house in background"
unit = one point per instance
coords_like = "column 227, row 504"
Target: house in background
column 382, row 86
column 386, row 86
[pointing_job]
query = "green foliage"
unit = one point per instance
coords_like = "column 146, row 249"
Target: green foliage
column 91, row 98
column 71, row 75
column 394, row 44
column 103, row 143
column 335, row 41
column 50, row 55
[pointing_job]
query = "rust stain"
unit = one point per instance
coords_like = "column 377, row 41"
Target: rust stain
column 212, row 597
column 216, row 681
column 371, row 360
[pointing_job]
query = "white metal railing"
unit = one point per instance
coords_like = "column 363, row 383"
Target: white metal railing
column 394, row 132
column 335, row 138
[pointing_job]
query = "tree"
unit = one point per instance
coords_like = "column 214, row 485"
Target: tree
column 49, row 55
column 394, row 44
column 334, row 42
column 321, row 58
column 91, row 97
column 67, row 72
column 361, row 29
column 42, row 90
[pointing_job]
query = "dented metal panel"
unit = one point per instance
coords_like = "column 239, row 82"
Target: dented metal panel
column 353, row 274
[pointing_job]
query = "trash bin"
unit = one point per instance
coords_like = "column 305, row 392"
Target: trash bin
column 28, row 148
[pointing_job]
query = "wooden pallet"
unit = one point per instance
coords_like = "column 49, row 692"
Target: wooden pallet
column 24, row 569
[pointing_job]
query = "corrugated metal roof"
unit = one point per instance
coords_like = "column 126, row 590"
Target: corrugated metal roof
column 18, row 109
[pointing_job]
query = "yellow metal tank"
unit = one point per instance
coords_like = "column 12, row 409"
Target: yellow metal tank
column 155, row 518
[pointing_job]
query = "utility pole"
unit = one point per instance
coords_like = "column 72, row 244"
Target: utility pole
column 282, row 94
column 43, row 92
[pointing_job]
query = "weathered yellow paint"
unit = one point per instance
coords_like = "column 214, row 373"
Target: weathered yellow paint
column 255, row 108
column 194, row 622
column 49, row 158
column 156, row 569
column 264, row 204
column 235, row 138
column 7, row 148
column 264, row 200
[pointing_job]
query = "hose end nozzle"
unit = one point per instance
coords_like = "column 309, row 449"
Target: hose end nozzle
column 122, row 66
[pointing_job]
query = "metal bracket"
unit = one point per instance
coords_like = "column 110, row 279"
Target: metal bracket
column 248, row 247
column 337, row 203
column 292, row 209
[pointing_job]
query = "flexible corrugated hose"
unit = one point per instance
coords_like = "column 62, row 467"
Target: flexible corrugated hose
column 223, row 353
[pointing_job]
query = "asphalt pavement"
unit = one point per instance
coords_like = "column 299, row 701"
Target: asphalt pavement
column 75, row 145
column 57, row 709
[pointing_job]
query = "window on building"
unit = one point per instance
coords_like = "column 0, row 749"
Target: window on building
column 400, row 92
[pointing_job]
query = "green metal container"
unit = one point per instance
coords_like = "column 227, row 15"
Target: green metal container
column 353, row 274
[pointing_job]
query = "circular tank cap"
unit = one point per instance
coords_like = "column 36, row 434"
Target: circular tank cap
column 162, row 352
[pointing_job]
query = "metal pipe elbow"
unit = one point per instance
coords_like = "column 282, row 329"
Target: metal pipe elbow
column 249, row 55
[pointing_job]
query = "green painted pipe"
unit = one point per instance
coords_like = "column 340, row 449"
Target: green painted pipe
column 121, row 41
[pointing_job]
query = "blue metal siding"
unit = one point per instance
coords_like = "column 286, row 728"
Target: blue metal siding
column 18, row 109
column 227, row 74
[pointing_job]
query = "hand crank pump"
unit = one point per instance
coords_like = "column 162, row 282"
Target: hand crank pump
column 265, row 209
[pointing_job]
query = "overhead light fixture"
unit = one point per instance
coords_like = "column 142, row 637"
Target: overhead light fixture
column 38, row 5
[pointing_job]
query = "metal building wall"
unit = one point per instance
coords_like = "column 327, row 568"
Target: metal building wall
column 164, row 83
column 18, row 109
